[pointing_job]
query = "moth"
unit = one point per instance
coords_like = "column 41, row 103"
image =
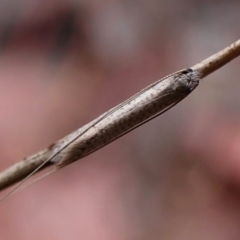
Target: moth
column 145, row 105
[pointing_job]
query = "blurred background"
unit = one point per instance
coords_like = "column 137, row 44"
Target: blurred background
column 63, row 63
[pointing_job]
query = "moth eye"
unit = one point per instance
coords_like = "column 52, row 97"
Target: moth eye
column 187, row 71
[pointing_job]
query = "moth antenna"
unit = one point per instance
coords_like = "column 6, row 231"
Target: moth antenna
column 26, row 178
column 34, row 181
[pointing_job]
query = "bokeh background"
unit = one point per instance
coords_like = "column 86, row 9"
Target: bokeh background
column 62, row 63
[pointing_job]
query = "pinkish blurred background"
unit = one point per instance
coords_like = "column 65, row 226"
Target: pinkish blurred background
column 62, row 63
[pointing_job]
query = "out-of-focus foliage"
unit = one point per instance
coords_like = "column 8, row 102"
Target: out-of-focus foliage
column 62, row 63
